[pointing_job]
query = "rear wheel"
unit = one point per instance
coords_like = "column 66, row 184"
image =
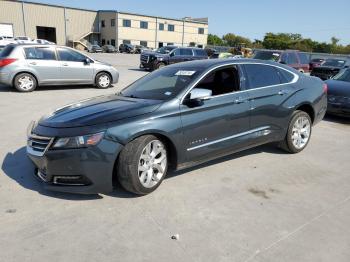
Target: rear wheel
column 159, row 65
column 103, row 80
column 25, row 82
column 142, row 165
column 299, row 132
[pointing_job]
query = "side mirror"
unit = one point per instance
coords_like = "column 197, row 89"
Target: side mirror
column 167, row 51
column 87, row 61
column 171, row 54
column 197, row 96
column 283, row 62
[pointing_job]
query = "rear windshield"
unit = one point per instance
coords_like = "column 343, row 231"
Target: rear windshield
column 267, row 55
column 7, row 51
column 343, row 76
column 334, row 62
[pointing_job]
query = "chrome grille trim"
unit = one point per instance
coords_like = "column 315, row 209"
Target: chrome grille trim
column 38, row 145
column 145, row 59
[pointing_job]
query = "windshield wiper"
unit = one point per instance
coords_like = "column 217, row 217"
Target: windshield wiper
column 130, row 96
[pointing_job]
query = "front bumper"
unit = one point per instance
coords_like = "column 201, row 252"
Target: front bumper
column 84, row 170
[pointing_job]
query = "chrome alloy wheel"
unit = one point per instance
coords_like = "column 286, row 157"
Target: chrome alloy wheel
column 152, row 164
column 25, row 83
column 301, row 132
column 104, row 81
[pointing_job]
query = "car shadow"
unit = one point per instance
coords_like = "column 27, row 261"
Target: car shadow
column 337, row 119
column 4, row 88
column 138, row 69
column 19, row 168
column 268, row 148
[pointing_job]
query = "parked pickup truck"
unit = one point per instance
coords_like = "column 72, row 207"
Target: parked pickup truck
column 170, row 55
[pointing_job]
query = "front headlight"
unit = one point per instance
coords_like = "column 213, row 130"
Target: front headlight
column 78, row 141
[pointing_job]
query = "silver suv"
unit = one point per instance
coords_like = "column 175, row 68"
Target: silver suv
column 26, row 66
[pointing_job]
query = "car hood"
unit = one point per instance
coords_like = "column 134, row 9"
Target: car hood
column 338, row 88
column 98, row 110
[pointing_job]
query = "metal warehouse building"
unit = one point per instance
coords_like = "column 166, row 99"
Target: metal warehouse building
column 81, row 27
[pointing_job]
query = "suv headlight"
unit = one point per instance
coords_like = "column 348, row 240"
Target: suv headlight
column 78, row 141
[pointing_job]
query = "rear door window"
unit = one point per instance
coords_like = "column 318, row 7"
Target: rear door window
column 261, row 75
column 186, row 52
column 40, row 53
column 65, row 54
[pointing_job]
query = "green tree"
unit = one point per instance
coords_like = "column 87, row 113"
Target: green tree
column 214, row 40
column 236, row 40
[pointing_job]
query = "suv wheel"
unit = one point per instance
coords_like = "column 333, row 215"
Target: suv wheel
column 25, row 82
column 142, row 165
column 160, row 65
column 299, row 132
column 103, row 80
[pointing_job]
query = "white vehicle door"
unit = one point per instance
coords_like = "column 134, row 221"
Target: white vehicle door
column 73, row 66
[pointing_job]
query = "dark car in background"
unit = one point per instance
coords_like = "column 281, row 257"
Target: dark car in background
column 315, row 62
column 339, row 94
column 109, row 49
column 140, row 49
column 292, row 58
column 157, row 60
column 127, row 48
column 176, row 117
column 329, row 68
column 95, row 49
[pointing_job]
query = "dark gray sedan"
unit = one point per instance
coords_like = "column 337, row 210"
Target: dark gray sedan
column 173, row 118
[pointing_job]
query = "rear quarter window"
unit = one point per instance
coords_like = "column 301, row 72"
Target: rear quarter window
column 7, row 51
column 303, row 58
column 285, row 76
column 200, row 52
column 261, row 75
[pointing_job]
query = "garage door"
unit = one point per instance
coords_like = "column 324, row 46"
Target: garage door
column 6, row 30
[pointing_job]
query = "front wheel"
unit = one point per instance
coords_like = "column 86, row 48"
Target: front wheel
column 103, row 80
column 142, row 165
column 299, row 132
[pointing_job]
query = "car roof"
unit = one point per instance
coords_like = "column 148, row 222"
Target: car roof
column 209, row 63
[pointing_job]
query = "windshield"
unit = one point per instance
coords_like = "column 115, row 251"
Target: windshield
column 162, row 84
column 267, row 55
column 334, row 62
column 165, row 49
column 343, row 76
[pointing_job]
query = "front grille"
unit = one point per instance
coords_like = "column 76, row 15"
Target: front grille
column 145, row 59
column 38, row 145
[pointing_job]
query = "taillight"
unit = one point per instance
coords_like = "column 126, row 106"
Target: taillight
column 6, row 61
column 325, row 88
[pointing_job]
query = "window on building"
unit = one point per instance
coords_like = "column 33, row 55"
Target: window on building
column 262, row 75
column 160, row 44
column 103, row 23
column 143, row 43
column 113, row 42
column 112, row 22
column 126, row 23
column 103, row 42
column 170, row 44
column 107, row 42
column 201, row 31
column 143, row 24
column 171, row 28
column 66, row 54
column 161, row 27
column 40, row 53
column 200, row 46
column 126, row 42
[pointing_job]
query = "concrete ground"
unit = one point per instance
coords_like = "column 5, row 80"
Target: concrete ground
column 259, row 205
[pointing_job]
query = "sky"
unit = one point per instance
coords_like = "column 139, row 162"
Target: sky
column 317, row 19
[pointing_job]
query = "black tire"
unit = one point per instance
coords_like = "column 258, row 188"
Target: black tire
column 99, row 83
column 17, row 82
column 128, row 161
column 159, row 65
column 287, row 143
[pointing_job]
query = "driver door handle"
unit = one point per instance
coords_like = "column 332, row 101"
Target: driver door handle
column 283, row 92
column 65, row 64
column 32, row 63
column 239, row 100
